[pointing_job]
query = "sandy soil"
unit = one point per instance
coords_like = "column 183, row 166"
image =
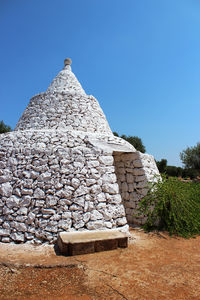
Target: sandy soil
column 154, row 266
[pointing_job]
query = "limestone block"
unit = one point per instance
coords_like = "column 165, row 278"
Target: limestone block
column 65, row 193
column 64, row 202
column 5, row 239
column 6, row 189
column 82, row 190
column 39, row 203
column 129, row 178
column 2, row 165
column 138, row 171
column 113, row 199
column 26, row 201
column 22, row 211
column 140, row 178
column 124, row 187
column 79, row 224
column 12, row 201
column 75, row 182
column 109, row 178
column 5, row 178
column 142, row 184
column 4, row 232
column 93, row 225
column 106, row 160
column 39, row 194
column 25, row 191
column 125, row 196
column 92, row 163
column 110, row 188
column 90, row 181
column 66, row 215
column 137, row 163
column 86, row 217
column 108, row 224
column 95, row 189
column 75, row 207
column 121, row 171
column 121, row 177
column 48, row 211
column 131, row 187
column 95, row 215
column 101, row 197
column 19, row 226
column 121, row 221
column 46, row 176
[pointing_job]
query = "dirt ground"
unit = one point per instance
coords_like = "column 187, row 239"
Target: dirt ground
column 154, row 266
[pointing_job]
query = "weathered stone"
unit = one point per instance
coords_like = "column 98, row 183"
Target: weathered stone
column 5, row 178
column 39, row 194
column 93, row 225
column 110, row 188
column 12, row 201
column 106, row 160
column 4, row 232
column 6, row 189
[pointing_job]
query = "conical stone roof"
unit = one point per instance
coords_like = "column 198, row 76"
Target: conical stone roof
column 65, row 106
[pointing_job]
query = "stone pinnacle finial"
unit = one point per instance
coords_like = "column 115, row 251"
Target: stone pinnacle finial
column 67, row 61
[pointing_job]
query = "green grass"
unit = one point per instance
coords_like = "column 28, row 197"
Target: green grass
column 174, row 206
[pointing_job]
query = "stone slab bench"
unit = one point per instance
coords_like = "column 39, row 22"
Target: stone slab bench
column 76, row 243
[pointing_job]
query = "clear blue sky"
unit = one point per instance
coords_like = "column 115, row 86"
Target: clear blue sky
column 139, row 58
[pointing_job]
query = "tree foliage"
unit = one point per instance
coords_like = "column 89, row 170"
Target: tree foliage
column 133, row 140
column 191, row 157
column 162, row 165
column 4, row 128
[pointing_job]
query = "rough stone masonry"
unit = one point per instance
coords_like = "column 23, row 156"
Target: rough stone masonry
column 62, row 169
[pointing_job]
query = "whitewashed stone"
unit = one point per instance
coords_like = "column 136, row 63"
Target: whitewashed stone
column 95, row 189
column 59, row 166
column 101, row 197
column 5, row 239
column 4, row 232
column 12, row 201
column 19, row 226
column 75, row 182
column 109, row 178
column 106, row 160
column 25, row 191
column 90, row 182
column 26, row 201
column 110, row 188
column 48, row 211
column 6, row 189
column 95, row 215
column 66, row 215
column 94, row 225
column 5, row 178
column 39, row 194
column 22, row 211
column 31, row 218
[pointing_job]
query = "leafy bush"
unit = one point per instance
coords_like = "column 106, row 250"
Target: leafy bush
column 174, row 206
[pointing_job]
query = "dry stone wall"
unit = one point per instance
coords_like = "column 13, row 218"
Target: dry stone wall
column 134, row 172
column 65, row 111
column 55, row 181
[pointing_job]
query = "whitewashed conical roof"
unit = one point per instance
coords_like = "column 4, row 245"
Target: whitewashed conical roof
column 64, row 106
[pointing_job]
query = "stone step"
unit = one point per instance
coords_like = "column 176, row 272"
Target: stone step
column 76, row 243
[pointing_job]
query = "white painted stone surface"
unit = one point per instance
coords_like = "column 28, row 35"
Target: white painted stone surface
column 57, row 170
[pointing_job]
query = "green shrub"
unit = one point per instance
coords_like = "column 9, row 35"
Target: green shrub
column 174, row 206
